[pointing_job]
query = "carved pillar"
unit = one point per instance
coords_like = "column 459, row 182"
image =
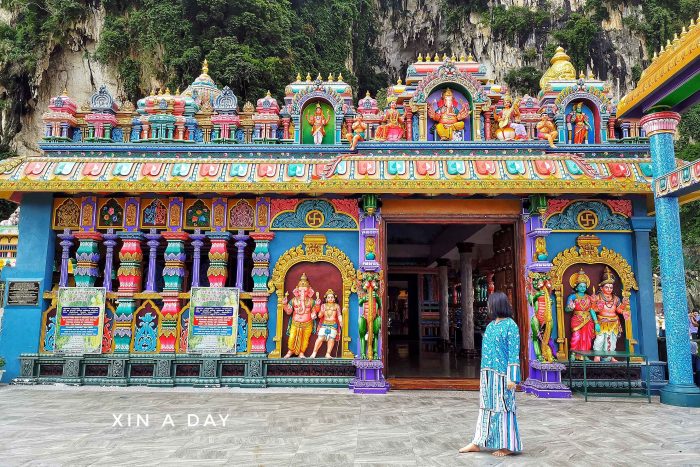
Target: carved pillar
column 153, row 241
column 476, row 112
column 110, row 241
column 467, row 299
column 174, row 275
column 544, row 379
column 218, row 258
column 197, row 244
column 87, row 257
column 261, row 274
column 408, row 123
column 660, row 127
column 66, row 244
column 443, row 269
column 625, row 129
column 422, row 124
column 369, row 371
column 241, row 242
column 129, row 275
column 611, row 128
column 487, row 124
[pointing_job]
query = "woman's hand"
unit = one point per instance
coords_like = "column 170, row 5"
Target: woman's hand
column 511, row 385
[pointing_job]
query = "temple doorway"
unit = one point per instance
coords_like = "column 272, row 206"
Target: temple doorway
column 438, row 278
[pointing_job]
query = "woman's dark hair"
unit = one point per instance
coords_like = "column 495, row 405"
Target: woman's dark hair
column 499, row 306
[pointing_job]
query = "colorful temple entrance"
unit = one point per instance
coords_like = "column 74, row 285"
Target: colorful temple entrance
column 187, row 241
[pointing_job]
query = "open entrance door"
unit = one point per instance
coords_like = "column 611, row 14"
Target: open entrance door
column 438, row 278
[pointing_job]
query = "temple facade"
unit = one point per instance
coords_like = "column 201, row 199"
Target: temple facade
column 319, row 240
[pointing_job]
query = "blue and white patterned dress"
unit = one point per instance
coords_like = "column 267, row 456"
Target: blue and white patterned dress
column 497, row 427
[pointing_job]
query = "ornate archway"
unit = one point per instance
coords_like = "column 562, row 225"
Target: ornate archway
column 317, row 92
column 587, row 252
column 447, row 75
column 313, row 250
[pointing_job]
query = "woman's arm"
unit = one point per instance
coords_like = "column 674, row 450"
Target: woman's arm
column 513, row 337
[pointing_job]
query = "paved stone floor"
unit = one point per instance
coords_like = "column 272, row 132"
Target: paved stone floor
column 75, row 426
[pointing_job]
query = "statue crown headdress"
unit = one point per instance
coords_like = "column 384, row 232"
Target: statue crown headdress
column 329, row 292
column 578, row 278
column 608, row 277
column 303, row 281
column 448, row 92
column 318, row 106
column 508, row 99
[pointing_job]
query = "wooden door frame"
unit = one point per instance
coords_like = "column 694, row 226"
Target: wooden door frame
column 448, row 216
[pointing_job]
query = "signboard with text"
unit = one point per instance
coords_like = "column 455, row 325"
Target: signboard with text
column 23, row 293
column 80, row 313
column 213, row 320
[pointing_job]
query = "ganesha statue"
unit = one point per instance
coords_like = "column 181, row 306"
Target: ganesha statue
column 303, row 308
column 448, row 115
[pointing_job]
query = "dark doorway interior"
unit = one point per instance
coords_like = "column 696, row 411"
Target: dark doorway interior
column 425, row 286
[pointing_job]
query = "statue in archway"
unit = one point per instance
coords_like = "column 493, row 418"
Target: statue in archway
column 578, row 125
column 318, row 122
column 449, row 116
column 508, row 118
column 608, row 306
column 581, row 305
column 330, row 318
column 301, row 307
column 391, row 128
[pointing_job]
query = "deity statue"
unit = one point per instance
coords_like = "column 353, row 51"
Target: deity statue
column 584, row 323
column 301, row 307
column 608, row 307
column 371, row 318
column 578, row 126
column 318, row 122
column 508, row 127
column 546, row 130
column 329, row 318
column 359, row 128
column 449, row 116
column 392, row 124
column 539, row 298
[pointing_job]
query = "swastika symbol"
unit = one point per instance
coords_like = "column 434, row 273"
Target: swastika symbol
column 587, row 220
column 314, row 219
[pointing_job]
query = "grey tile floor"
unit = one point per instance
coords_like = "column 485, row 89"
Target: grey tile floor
column 77, row 426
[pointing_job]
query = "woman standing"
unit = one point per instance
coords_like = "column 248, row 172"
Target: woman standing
column 497, row 427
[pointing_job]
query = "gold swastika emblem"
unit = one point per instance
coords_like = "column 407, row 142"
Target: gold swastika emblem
column 315, row 219
column 588, row 220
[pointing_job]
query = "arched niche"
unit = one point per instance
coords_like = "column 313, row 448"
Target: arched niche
column 461, row 97
column 595, row 107
column 307, row 98
column 308, row 113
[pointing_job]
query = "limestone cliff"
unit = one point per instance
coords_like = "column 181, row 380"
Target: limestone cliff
column 402, row 29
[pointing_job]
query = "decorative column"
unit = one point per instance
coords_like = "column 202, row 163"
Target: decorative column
column 110, row 241
column 153, row 241
column 369, row 374
column 66, row 244
column 642, row 226
column 197, row 242
column 87, row 257
column 261, row 274
column 660, row 127
column 443, row 268
column 487, row 124
column 218, row 258
column 174, row 276
column 544, row 378
column 408, row 123
column 129, row 275
column 467, row 299
column 241, row 242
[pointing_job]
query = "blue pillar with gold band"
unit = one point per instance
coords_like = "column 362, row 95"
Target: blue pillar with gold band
column 681, row 391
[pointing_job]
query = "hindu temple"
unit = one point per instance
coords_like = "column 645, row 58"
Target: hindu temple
column 325, row 239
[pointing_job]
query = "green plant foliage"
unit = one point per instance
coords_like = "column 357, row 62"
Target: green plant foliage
column 525, row 80
column 577, row 38
column 516, row 23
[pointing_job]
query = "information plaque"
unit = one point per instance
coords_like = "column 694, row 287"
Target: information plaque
column 23, row 293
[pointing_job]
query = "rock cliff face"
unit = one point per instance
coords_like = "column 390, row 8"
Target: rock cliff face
column 404, row 28
column 408, row 27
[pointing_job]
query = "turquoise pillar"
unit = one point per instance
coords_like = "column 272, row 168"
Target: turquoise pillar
column 680, row 390
column 21, row 324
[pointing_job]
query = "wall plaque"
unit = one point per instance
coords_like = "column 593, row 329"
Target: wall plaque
column 23, row 293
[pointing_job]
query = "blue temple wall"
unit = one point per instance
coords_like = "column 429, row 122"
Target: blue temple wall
column 639, row 258
column 21, row 325
column 347, row 241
